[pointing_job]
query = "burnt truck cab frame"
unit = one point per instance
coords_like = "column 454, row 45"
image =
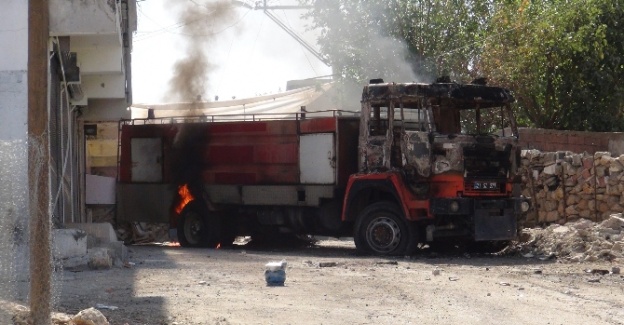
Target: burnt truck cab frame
column 435, row 161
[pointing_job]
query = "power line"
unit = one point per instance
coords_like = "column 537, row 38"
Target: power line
column 177, row 25
column 300, row 45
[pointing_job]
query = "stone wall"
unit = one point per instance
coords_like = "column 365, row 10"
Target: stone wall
column 566, row 186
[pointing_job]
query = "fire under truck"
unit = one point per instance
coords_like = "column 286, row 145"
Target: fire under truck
column 421, row 163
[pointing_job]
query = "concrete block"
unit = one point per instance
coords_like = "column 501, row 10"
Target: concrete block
column 69, row 243
column 103, row 232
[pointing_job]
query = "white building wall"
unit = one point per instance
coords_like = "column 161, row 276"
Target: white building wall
column 13, row 64
column 13, row 150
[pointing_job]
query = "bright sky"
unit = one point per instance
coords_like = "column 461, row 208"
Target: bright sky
column 254, row 56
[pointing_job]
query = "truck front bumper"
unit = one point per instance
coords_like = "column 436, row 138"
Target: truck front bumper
column 489, row 219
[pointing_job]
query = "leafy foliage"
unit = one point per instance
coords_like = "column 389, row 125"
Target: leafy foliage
column 564, row 59
column 398, row 39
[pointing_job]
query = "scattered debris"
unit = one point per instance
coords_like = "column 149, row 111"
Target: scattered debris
column 327, row 264
column 504, row 284
column 436, row 272
column 102, row 306
column 100, row 258
column 143, row 232
column 21, row 314
column 593, row 280
column 387, row 263
column 597, row 271
column 577, row 241
column 453, row 279
column 615, row 270
column 202, row 282
column 90, row 316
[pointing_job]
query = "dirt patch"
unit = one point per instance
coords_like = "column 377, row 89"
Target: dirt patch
column 329, row 283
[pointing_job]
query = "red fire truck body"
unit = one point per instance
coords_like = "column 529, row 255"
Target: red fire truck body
column 402, row 172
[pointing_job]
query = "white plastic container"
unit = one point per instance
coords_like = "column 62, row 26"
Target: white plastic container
column 275, row 273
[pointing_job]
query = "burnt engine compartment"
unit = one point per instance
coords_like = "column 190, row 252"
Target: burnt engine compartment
column 486, row 169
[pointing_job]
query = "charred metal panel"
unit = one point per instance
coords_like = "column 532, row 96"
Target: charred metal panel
column 144, row 202
column 461, row 96
column 376, row 154
column 417, row 152
column 495, row 220
column 146, row 155
column 346, row 150
column 129, row 132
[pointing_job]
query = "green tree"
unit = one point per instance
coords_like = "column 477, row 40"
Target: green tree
column 401, row 40
column 563, row 59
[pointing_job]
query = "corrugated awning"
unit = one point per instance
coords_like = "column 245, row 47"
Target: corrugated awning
column 288, row 102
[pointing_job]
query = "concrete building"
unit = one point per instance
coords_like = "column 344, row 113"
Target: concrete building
column 89, row 83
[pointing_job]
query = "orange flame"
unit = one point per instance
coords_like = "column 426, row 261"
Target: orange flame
column 185, row 197
column 218, row 246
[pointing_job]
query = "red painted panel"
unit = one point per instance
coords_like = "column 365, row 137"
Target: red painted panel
column 229, row 155
column 238, row 127
column 318, row 125
column 277, row 153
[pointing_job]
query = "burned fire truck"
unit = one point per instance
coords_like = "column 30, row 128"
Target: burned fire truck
column 421, row 163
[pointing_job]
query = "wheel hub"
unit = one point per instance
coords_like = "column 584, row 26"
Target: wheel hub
column 192, row 228
column 383, row 234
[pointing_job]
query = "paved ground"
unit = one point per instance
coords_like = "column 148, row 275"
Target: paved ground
column 329, row 283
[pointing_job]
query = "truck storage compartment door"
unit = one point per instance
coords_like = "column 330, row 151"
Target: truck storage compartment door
column 317, row 159
column 146, row 156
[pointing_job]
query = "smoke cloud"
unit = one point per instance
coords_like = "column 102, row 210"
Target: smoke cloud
column 200, row 25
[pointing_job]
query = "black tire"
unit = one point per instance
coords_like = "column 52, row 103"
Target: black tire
column 381, row 229
column 196, row 227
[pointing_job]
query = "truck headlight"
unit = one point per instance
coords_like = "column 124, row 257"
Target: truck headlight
column 524, row 206
column 454, row 206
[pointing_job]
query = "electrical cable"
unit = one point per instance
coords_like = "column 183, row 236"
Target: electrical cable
column 300, row 45
column 169, row 28
column 70, row 109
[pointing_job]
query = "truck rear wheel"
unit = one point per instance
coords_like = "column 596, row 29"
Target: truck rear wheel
column 382, row 230
column 196, row 228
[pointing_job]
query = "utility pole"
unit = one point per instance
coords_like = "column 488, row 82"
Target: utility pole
column 38, row 162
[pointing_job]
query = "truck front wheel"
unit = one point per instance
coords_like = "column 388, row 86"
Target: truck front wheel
column 381, row 230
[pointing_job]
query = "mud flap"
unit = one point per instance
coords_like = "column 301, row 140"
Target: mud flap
column 494, row 220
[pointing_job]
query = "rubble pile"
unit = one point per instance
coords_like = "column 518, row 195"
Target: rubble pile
column 142, row 232
column 577, row 241
column 565, row 186
column 21, row 316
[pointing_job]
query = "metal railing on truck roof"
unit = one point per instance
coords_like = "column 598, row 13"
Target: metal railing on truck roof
column 238, row 117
